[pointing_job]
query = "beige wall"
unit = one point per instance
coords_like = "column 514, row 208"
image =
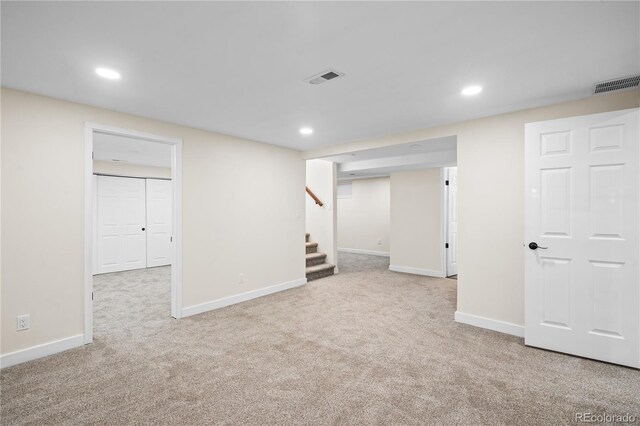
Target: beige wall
column 491, row 199
column 243, row 212
column 132, row 170
column 320, row 220
column 363, row 219
column 416, row 221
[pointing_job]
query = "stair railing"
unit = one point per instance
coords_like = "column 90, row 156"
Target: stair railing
column 316, row 199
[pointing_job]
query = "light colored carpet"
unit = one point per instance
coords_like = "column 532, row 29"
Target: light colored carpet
column 366, row 346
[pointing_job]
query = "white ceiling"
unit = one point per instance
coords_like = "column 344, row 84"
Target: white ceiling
column 377, row 162
column 239, row 67
column 129, row 150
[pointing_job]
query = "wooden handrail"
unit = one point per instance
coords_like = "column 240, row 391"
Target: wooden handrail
column 316, row 199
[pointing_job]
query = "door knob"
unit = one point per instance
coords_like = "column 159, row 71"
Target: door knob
column 535, row 246
column 144, row 229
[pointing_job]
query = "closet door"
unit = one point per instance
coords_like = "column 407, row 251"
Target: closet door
column 452, row 221
column 121, row 224
column 582, row 230
column 159, row 222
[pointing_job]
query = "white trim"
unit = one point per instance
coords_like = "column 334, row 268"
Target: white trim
column 94, row 183
column 416, row 271
column 334, row 215
column 359, row 251
column 39, row 351
column 490, row 324
column 88, row 234
column 176, row 256
column 176, row 177
column 242, row 297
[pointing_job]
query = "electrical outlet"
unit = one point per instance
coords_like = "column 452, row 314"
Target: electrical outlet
column 240, row 278
column 23, row 322
column 379, row 242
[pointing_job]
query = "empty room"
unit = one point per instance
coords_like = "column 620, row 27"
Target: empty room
column 319, row 213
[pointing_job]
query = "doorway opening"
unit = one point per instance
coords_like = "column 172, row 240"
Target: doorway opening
column 346, row 220
column 320, row 219
column 132, row 223
column 363, row 223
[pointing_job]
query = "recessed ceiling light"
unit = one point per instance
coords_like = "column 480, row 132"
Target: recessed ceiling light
column 306, row 130
column 108, row 73
column 471, row 90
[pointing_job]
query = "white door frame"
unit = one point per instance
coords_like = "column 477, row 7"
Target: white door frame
column 176, row 176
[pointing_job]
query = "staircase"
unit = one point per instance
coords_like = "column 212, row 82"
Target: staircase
column 316, row 262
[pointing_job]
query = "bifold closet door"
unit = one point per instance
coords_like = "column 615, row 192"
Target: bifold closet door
column 159, row 222
column 120, row 224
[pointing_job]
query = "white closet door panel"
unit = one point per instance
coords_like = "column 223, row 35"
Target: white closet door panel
column 120, row 224
column 159, row 222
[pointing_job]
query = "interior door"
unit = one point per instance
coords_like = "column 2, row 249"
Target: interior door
column 452, row 221
column 582, row 216
column 121, row 224
column 159, row 222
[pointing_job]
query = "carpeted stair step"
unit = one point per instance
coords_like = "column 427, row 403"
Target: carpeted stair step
column 306, row 237
column 314, row 259
column 319, row 271
column 311, row 247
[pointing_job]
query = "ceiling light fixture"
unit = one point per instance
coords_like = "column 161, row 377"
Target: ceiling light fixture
column 108, row 73
column 471, row 90
column 306, row 131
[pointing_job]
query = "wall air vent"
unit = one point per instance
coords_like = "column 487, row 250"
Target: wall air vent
column 617, row 84
column 325, row 76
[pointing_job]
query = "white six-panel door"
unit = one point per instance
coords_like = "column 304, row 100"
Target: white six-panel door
column 121, row 222
column 159, row 222
column 452, row 221
column 582, row 192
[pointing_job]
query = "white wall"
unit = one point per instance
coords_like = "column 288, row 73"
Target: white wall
column 243, row 212
column 491, row 199
column 132, row 170
column 363, row 219
column 416, row 221
column 320, row 221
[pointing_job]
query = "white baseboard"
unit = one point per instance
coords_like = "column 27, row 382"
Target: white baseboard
column 242, row 297
column 39, row 351
column 490, row 324
column 416, row 271
column 359, row 251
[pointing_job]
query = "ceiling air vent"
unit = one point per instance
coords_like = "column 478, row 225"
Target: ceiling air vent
column 617, row 84
column 325, row 76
